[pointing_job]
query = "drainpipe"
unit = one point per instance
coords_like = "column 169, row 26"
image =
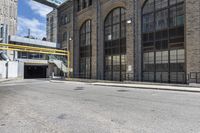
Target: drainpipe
column 98, row 22
column 6, row 69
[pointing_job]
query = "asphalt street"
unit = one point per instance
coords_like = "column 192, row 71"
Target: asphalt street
column 41, row 106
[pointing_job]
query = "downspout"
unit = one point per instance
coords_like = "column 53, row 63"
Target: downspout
column 134, row 21
column 97, row 40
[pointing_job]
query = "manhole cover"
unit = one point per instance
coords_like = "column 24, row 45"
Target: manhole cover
column 122, row 90
column 78, row 88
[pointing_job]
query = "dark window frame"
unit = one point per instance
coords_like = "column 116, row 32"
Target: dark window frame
column 85, row 50
column 166, row 39
column 115, row 44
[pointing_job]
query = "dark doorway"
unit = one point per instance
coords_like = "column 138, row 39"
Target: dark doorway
column 31, row 72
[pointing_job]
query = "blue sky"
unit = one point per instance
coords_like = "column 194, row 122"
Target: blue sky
column 32, row 15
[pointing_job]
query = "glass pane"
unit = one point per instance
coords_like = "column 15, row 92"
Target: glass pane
column 151, row 57
column 158, row 76
column 151, row 76
column 172, row 16
column 162, row 19
column 116, row 31
column 172, row 2
column 181, row 55
column 108, row 20
column 158, row 57
column 123, row 15
column 116, row 60
column 161, row 4
column 165, row 77
column 108, row 34
column 123, row 29
column 149, row 6
column 116, row 16
column 145, row 76
column 88, row 40
column 165, row 57
column 88, row 26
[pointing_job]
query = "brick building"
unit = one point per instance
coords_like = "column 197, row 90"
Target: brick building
column 52, row 27
column 143, row 40
column 65, row 27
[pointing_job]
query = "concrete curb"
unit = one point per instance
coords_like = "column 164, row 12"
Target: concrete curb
column 6, row 80
column 189, row 89
column 139, row 85
column 2, row 81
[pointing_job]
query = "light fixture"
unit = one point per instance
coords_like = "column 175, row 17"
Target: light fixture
column 129, row 21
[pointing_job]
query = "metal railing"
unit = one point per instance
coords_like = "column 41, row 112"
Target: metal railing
column 194, row 77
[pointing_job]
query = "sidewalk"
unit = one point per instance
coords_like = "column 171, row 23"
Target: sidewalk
column 151, row 86
column 138, row 85
column 6, row 80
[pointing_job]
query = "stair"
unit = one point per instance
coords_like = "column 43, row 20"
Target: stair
column 59, row 63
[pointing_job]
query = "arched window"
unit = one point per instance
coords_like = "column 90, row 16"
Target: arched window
column 115, row 45
column 85, row 50
column 163, row 41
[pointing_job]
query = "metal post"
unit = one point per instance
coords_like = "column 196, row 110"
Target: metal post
column 196, row 77
column 68, row 64
column 6, row 69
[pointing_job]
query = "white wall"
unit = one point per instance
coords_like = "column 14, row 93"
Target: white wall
column 15, row 69
column 2, row 69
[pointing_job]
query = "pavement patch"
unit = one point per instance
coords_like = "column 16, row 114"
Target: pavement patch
column 122, row 90
column 3, row 125
column 79, row 88
column 62, row 116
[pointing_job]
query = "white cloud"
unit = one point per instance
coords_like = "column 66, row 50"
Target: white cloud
column 38, row 8
column 36, row 27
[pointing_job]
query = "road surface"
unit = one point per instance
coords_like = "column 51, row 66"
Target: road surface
column 41, row 106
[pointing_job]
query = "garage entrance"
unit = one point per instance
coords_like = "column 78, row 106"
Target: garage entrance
column 31, row 72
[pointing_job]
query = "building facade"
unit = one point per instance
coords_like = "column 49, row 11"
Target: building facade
column 169, row 43
column 60, row 27
column 32, row 58
column 65, row 28
column 104, row 49
column 8, row 15
column 143, row 40
column 52, row 27
column 65, row 25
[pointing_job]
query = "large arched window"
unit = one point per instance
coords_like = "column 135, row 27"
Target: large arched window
column 163, row 41
column 85, row 50
column 115, row 45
